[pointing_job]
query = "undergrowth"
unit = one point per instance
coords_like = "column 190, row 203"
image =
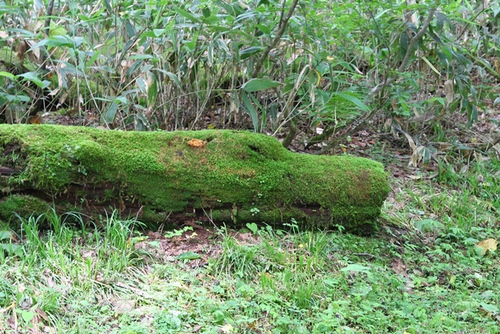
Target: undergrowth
column 423, row 272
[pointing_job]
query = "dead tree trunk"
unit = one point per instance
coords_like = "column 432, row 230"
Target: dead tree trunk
column 225, row 176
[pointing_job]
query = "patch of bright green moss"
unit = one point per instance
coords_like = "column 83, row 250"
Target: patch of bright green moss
column 240, row 170
column 24, row 206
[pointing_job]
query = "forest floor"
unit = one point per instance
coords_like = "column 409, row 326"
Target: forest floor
column 432, row 266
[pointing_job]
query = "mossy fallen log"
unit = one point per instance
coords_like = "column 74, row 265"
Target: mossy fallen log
column 224, row 176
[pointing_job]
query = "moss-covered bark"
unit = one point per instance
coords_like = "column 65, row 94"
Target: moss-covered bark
column 225, row 176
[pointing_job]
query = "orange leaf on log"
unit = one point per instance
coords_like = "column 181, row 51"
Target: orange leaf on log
column 197, row 143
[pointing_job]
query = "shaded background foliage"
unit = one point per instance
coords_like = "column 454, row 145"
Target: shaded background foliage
column 312, row 73
column 320, row 75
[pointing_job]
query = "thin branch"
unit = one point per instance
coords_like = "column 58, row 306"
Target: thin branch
column 469, row 22
column 44, row 55
column 484, row 65
column 50, row 9
column 408, row 55
column 279, row 34
column 415, row 39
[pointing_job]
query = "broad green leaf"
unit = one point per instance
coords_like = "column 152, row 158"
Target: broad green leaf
column 93, row 58
column 5, row 235
column 206, row 11
column 191, row 45
column 441, row 20
column 27, row 315
column 122, row 99
column 141, row 83
column 33, row 77
column 57, row 30
column 110, row 114
column 17, row 98
column 495, row 7
column 60, row 41
column 357, row 268
column 154, row 243
column 246, row 15
column 158, row 32
column 127, row 46
column 159, row 15
column 403, row 42
column 12, row 249
column 152, row 90
column 210, row 54
column 141, row 122
column 153, row 33
column 253, row 227
column 251, row 110
column 141, row 56
column 210, row 20
column 428, row 225
column 261, row 109
column 382, row 13
column 434, row 36
column 107, row 4
column 490, row 308
column 186, row 14
column 219, row 28
column 265, row 29
column 460, row 57
column 186, row 256
column 431, row 66
column 136, row 65
column 472, row 115
column 146, row 68
column 258, row 84
column 131, row 31
column 222, row 45
column 171, row 76
column 7, row 75
column 250, row 51
column 351, row 98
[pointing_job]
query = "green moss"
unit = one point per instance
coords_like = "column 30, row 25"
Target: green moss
column 14, row 206
column 4, row 226
column 235, row 169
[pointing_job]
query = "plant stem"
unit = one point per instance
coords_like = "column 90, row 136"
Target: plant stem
column 279, row 34
column 409, row 53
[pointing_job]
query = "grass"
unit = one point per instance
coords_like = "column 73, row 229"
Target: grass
column 421, row 273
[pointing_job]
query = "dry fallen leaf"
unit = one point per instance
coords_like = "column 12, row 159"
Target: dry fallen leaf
column 227, row 328
column 197, row 143
column 488, row 245
column 123, row 306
